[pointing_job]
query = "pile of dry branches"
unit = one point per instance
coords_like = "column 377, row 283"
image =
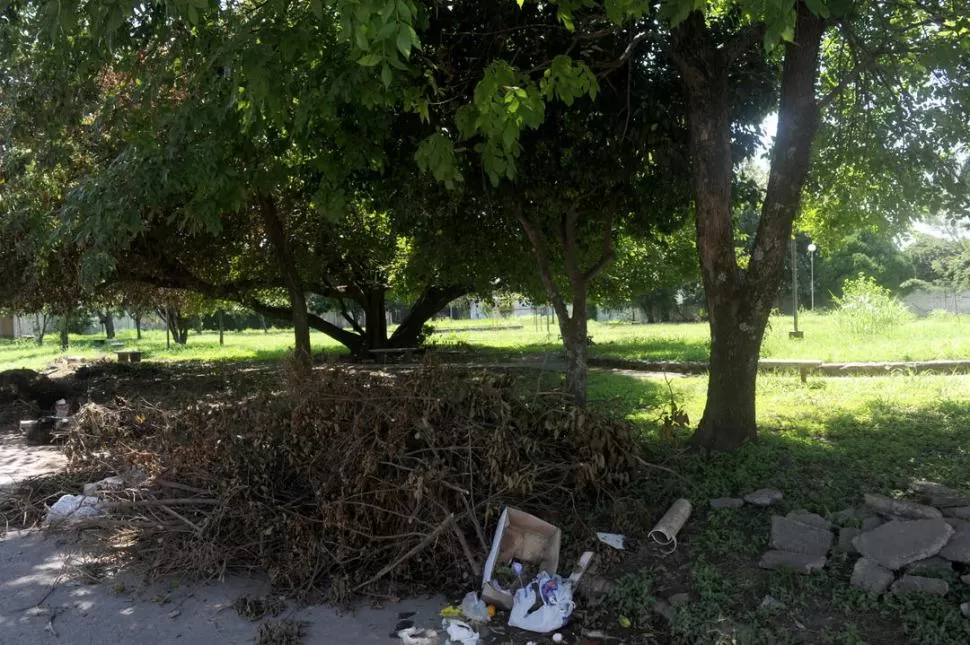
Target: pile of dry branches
column 347, row 479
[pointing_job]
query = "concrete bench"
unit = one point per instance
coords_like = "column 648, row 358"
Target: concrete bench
column 129, row 356
column 803, row 367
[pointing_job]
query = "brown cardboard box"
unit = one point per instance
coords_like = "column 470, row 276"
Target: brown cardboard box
column 521, row 536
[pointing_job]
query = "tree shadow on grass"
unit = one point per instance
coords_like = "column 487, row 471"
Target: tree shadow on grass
column 655, row 349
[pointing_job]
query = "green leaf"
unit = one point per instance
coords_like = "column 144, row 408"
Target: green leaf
column 370, row 60
column 520, row 3
column 386, row 75
column 404, row 42
column 818, row 7
column 316, row 8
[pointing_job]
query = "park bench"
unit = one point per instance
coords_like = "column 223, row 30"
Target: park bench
column 395, row 352
column 803, row 367
column 129, row 356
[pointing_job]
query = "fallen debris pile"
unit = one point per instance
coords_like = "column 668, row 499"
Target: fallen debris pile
column 344, row 478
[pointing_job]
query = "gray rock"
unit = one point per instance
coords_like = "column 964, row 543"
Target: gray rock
column 965, row 579
column 663, row 608
column 871, row 576
column 791, row 535
column 846, row 535
column 678, row 599
column 797, row 562
column 910, row 584
column 896, row 544
column 812, row 519
column 939, row 495
column 726, row 502
column 871, row 523
column 772, row 604
column 901, row 508
column 960, row 525
column 965, row 609
column 764, row 497
column 958, row 548
column 932, row 567
column 960, row 512
column 844, row 516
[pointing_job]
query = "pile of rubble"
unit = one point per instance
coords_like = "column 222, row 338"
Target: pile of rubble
column 905, row 546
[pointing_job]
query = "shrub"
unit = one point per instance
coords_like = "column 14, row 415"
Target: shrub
column 867, row 309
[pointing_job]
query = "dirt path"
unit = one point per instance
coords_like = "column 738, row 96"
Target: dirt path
column 45, row 598
column 42, row 600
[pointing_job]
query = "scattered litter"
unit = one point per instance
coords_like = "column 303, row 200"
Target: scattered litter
column 175, row 613
column 519, row 538
column 62, row 409
column 666, row 530
column 416, row 636
column 460, row 633
column 557, row 638
column 557, row 605
column 474, row 609
column 107, row 484
column 614, row 540
column 74, row 506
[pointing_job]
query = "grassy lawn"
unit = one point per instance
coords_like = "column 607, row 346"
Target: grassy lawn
column 824, row 444
column 919, row 339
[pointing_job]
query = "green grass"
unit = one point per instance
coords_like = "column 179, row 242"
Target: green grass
column 239, row 346
column 918, row 339
column 824, row 444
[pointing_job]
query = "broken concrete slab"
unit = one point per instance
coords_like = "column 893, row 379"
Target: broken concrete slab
column 871, row 523
column 797, row 562
column 920, row 584
column 959, row 512
column 846, row 535
column 794, row 536
column 901, row 508
column 871, row 576
column 896, row 544
column 931, row 567
column 813, row 519
column 720, row 503
column 939, row 495
column 764, row 497
column 958, row 548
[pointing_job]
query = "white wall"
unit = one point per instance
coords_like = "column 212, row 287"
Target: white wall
column 924, row 302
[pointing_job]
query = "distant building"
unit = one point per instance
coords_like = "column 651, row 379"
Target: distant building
column 12, row 326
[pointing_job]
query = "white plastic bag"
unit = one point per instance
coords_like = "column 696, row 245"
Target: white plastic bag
column 74, row 506
column 474, row 609
column 460, row 633
column 557, row 604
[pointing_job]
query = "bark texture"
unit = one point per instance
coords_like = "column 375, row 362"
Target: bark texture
column 739, row 302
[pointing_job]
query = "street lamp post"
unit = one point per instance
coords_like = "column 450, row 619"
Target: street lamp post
column 811, row 263
column 794, row 292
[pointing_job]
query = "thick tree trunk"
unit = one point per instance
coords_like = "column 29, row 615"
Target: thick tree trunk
column 433, row 299
column 137, row 320
column 739, row 304
column 284, row 258
column 574, row 331
column 375, row 327
column 108, row 321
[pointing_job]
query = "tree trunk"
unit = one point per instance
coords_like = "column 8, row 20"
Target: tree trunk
column 284, row 258
column 433, row 299
column 221, row 328
column 40, row 327
column 65, row 325
column 375, row 327
column 109, row 325
column 137, row 320
column 739, row 304
column 574, row 337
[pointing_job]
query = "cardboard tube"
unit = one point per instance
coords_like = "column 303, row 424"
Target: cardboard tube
column 666, row 530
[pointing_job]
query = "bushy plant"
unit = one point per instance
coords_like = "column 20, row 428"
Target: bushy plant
column 866, row 308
